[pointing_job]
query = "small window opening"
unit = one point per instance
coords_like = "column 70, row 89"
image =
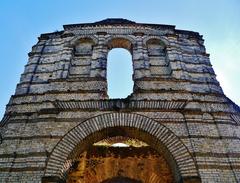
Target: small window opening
column 119, row 73
column 119, row 144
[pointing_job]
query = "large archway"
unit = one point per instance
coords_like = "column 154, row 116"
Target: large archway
column 124, row 124
column 102, row 161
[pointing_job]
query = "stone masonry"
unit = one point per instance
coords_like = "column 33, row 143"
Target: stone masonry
column 177, row 106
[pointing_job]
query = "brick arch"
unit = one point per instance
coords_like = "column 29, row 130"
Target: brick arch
column 126, row 38
column 165, row 141
column 161, row 39
column 74, row 41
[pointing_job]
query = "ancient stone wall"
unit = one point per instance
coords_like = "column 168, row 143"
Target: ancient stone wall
column 64, row 87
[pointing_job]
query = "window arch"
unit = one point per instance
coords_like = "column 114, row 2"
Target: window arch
column 120, row 43
column 158, row 60
column 84, row 46
column 80, row 63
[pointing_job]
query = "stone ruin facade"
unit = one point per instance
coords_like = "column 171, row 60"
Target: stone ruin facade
column 61, row 111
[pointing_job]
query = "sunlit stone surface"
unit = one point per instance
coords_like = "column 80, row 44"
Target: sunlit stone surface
column 61, row 126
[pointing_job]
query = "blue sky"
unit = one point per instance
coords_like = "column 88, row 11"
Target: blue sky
column 217, row 20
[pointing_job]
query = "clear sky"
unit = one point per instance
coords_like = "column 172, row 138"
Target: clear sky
column 22, row 21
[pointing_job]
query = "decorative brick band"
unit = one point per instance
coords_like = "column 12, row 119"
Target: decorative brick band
column 120, row 104
column 141, row 127
column 74, row 40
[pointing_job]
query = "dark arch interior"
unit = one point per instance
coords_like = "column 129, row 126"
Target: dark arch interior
column 127, row 132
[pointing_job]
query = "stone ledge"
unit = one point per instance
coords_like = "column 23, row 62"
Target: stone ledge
column 220, row 167
column 25, row 169
column 119, row 104
column 217, row 155
column 18, row 155
column 33, row 137
column 208, row 137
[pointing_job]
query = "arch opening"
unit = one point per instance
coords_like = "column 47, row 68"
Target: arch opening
column 97, row 161
column 120, row 42
column 70, row 147
column 119, row 72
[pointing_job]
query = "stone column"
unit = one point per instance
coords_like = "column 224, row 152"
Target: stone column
column 99, row 59
column 61, row 67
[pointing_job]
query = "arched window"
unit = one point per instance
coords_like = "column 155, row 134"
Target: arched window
column 84, row 46
column 119, row 73
column 81, row 60
column 159, row 64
